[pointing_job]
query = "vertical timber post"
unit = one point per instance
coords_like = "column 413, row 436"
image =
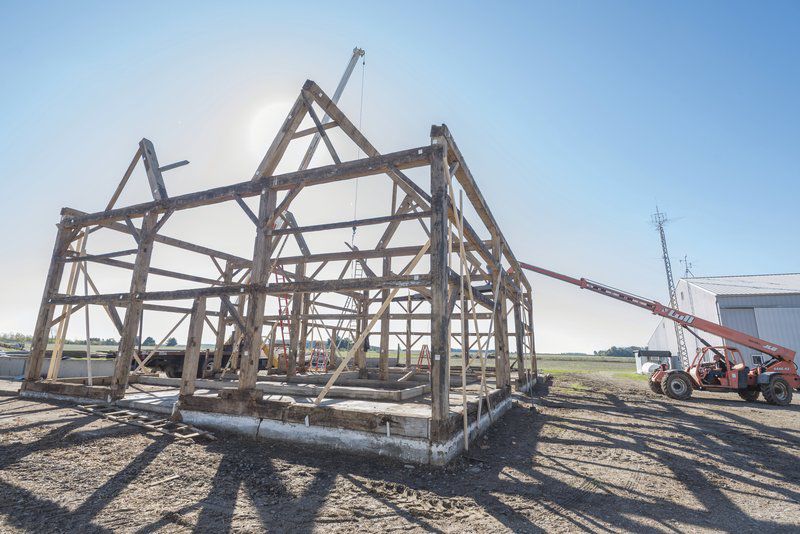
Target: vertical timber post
column 502, row 369
column 259, row 274
column 440, row 379
column 519, row 336
column 361, row 324
column 294, row 363
column 191, row 357
column 40, row 335
column 383, row 366
column 531, row 340
column 219, row 346
column 130, row 328
column 408, row 331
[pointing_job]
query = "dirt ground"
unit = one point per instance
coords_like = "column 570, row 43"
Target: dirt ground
column 601, row 454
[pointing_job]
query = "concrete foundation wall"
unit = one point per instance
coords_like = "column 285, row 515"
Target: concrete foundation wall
column 406, row 449
column 14, row 366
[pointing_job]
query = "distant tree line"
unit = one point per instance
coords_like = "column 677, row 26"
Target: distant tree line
column 624, row 352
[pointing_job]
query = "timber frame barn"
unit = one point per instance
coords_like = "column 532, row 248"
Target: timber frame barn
column 460, row 280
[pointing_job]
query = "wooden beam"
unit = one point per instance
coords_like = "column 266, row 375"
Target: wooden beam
column 313, row 130
column 93, row 257
column 130, row 328
column 282, row 139
column 191, row 358
column 151, row 167
column 259, row 275
column 440, row 342
column 349, row 224
column 46, row 307
column 166, row 240
column 411, row 158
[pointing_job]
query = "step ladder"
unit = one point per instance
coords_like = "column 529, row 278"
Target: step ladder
column 282, row 334
column 424, row 356
column 350, row 306
column 319, row 358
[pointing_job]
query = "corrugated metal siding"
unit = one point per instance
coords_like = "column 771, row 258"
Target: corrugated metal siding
column 759, row 301
column 780, row 325
column 743, row 320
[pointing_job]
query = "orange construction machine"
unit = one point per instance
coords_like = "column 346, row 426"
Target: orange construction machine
column 713, row 368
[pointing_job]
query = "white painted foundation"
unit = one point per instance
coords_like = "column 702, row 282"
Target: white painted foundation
column 399, row 447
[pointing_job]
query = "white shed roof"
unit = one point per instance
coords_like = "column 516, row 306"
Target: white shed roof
column 758, row 284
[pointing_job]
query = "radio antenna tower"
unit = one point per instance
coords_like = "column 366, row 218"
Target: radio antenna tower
column 659, row 219
column 687, row 266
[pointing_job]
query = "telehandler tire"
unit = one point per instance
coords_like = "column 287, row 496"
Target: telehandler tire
column 655, row 387
column 677, row 385
column 777, row 391
column 750, row 395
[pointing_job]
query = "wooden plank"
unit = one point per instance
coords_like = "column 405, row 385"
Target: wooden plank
column 191, row 358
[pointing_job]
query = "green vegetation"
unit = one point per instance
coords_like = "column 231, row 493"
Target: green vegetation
column 624, row 352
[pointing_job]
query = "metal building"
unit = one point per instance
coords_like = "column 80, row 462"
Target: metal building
column 765, row 306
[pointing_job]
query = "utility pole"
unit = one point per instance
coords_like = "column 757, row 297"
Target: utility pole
column 659, row 219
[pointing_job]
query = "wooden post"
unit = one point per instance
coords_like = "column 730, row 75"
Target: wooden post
column 219, row 347
column 440, row 343
column 361, row 354
column 519, row 336
column 45, row 316
column 408, row 330
column 304, row 329
column 531, row 340
column 259, row 275
column 502, row 369
column 383, row 365
column 191, row 358
column 130, row 327
column 294, row 363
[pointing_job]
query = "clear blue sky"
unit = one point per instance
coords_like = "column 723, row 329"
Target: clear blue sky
column 577, row 118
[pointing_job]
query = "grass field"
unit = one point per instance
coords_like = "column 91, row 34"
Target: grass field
column 553, row 364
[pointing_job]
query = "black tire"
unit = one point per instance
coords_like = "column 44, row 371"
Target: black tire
column 655, row 386
column 777, row 391
column 750, row 395
column 677, row 385
column 172, row 372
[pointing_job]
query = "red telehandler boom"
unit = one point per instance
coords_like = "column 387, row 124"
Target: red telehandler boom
column 774, row 379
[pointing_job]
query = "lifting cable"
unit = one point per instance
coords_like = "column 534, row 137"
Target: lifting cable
column 358, row 150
